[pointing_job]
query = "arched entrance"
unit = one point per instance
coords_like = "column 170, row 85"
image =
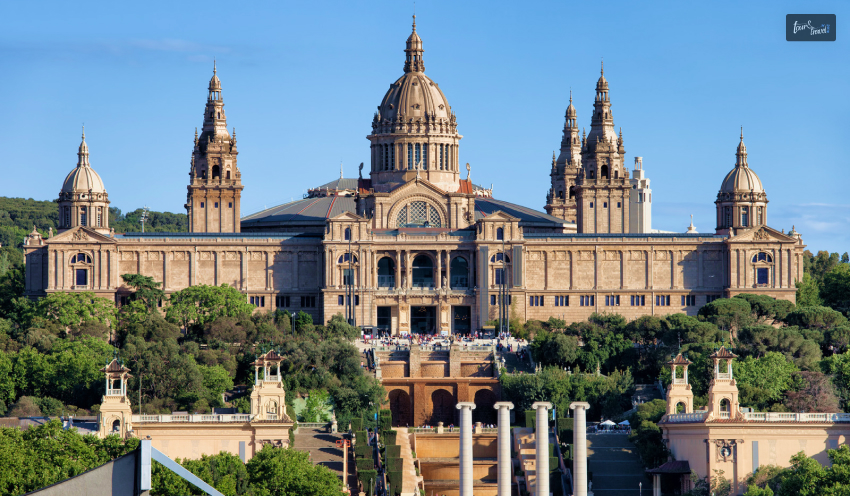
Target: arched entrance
column 460, row 273
column 400, row 408
column 443, row 407
column 484, row 411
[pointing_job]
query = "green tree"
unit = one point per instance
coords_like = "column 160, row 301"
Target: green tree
column 73, row 309
column 808, row 292
column 287, row 472
column 835, row 290
column 170, row 378
column 201, row 304
column 815, row 317
column 216, row 381
column 763, row 381
column 729, row 314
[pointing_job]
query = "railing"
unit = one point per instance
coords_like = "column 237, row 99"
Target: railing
column 271, row 416
column 724, row 375
column 686, row 417
column 679, row 380
column 313, row 425
column 725, row 415
column 236, row 417
column 114, row 392
column 386, row 282
column 271, row 378
column 797, row 417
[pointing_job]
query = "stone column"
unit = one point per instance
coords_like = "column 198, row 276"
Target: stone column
column 439, row 275
column 542, row 441
column 580, row 448
column 505, row 464
column 466, row 408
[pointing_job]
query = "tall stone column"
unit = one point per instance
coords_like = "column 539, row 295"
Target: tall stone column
column 580, row 448
column 466, row 408
column 504, row 453
column 542, row 441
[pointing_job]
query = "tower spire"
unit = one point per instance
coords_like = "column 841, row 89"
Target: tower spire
column 413, row 59
column 741, row 154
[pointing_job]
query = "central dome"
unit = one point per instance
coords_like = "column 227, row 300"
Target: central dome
column 83, row 179
column 414, row 97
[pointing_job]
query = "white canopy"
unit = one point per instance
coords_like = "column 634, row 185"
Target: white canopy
column 607, row 422
column 624, row 422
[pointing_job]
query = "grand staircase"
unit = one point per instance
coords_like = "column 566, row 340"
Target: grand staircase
column 615, row 466
column 323, row 451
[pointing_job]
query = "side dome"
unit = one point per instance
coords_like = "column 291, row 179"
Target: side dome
column 414, row 96
column 83, row 179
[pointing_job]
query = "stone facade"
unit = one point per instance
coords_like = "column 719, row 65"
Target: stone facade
column 417, row 248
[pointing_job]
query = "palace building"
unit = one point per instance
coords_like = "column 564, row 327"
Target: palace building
column 413, row 245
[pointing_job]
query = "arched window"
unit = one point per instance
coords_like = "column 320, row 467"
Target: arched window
column 80, row 266
column 604, row 171
column 560, row 195
column 572, row 192
column 418, row 214
column 271, row 407
column 81, row 258
column 423, row 272
column 216, row 171
column 460, row 273
column 346, row 257
column 228, row 174
column 116, row 426
column 762, row 257
column 680, row 407
column 725, row 409
column 347, row 234
column 745, row 216
column 500, row 234
column 83, row 216
column 219, row 115
column 591, row 174
column 616, row 174
column 500, row 257
column 386, row 273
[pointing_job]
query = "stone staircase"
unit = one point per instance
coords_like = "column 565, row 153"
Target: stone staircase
column 525, row 446
column 411, row 480
column 323, row 451
column 615, row 465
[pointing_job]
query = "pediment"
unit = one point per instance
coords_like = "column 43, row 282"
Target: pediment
column 499, row 216
column 347, row 217
column 762, row 234
column 80, row 235
column 420, row 186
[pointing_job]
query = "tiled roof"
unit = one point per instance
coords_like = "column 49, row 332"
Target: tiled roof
column 679, row 360
column 723, row 353
column 672, row 467
column 313, row 211
column 486, row 206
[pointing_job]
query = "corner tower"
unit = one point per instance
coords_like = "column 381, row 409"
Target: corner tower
column 741, row 201
column 602, row 185
column 215, row 183
column 560, row 202
column 414, row 128
column 83, row 200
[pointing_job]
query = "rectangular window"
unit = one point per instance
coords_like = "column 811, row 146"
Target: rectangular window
column 418, row 162
column 612, row 300
column 586, row 301
column 202, row 204
column 82, row 277
column 356, row 300
column 710, row 298
column 308, row 302
column 83, row 216
column 216, row 205
column 442, row 161
column 618, row 204
column 638, row 300
column 745, row 216
column 67, row 217
column 492, row 299
column 230, row 205
column 591, row 204
column 762, row 275
column 604, row 204
column 535, row 301
column 99, row 217
column 500, row 277
column 562, row 301
column 281, row 301
column 348, row 276
column 662, row 300
column 410, row 156
column 340, row 300
column 425, row 156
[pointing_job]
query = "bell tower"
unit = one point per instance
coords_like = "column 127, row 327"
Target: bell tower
column 560, row 202
column 602, row 185
column 116, row 416
column 268, row 399
column 679, row 391
column 215, row 183
column 723, row 391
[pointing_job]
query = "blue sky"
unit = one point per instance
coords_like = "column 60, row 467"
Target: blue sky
column 301, row 81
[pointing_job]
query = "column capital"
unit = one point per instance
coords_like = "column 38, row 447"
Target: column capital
column 466, row 404
column 579, row 404
column 542, row 404
column 503, row 404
